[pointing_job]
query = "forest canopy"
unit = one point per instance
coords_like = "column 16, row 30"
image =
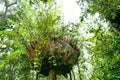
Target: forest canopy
column 36, row 44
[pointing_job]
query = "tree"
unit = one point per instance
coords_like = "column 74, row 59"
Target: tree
column 7, row 5
column 41, row 25
column 105, row 52
column 108, row 10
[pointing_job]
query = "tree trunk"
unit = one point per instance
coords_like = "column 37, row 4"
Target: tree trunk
column 52, row 75
column 37, row 76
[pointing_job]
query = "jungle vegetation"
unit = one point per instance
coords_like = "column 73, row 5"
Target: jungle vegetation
column 36, row 44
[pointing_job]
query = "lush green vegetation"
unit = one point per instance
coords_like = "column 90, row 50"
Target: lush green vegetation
column 105, row 52
column 35, row 42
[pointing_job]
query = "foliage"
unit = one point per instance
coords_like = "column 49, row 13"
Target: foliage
column 103, row 47
column 40, row 21
column 105, row 51
column 105, row 56
column 109, row 9
column 15, row 40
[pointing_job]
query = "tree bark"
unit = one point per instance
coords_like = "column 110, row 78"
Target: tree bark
column 79, row 71
column 73, row 74
column 70, row 76
column 37, row 76
column 52, row 75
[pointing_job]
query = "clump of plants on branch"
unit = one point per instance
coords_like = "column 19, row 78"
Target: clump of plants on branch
column 41, row 32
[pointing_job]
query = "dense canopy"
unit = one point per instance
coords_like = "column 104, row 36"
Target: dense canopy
column 36, row 43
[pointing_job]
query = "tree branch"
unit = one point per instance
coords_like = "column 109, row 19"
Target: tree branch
column 6, row 9
column 12, row 4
